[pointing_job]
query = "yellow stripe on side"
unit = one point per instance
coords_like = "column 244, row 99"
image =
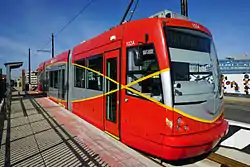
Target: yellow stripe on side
column 61, row 105
column 89, row 98
column 122, row 86
column 116, row 137
column 148, row 76
column 197, row 119
column 149, row 98
column 143, row 95
column 106, row 77
column 56, row 99
column 97, row 72
column 175, row 109
column 56, row 63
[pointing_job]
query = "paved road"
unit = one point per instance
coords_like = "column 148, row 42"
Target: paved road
column 237, row 112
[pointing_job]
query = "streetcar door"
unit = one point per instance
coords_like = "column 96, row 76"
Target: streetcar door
column 111, row 100
column 61, row 77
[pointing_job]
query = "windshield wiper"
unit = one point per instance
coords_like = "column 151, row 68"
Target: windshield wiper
column 202, row 78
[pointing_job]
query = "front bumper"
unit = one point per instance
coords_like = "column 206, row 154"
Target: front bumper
column 186, row 146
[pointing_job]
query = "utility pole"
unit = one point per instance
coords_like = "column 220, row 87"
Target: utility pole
column 52, row 47
column 184, row 8
column 29, row 68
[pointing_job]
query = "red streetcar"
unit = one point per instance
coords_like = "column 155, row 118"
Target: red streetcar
column 152, row 83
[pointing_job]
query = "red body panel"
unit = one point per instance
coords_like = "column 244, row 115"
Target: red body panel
column 91, row 111
column 142, row 121
column 187, row 24
column 61, row 58
column 98, row 44
column 194, row 126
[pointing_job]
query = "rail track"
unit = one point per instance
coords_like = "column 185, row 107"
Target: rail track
column 223, row 161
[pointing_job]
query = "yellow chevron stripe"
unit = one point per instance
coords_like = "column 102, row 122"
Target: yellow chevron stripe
column 174, row 109
column 141, row 94
column 97, row 72
column 148, row 76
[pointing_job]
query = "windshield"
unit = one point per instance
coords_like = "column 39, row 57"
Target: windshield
column 194, row 64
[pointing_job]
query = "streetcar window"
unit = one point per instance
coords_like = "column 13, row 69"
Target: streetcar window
column 79, row 74
column 194, row 64
column 94, row 80
column 185, row 40
column 148, row 65
column 55, row 79
column 51, row 78
column 47, row 81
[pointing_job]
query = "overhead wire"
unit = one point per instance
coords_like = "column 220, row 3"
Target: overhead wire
column 78, row 14
column 133, row 11
column 69, row 22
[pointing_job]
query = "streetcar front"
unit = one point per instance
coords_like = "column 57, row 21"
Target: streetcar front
column 197, row 99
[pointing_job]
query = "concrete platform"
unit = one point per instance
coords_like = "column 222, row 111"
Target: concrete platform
column 45, row 134
column 110, row 150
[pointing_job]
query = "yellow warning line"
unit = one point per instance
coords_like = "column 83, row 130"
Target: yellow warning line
column 116, row 137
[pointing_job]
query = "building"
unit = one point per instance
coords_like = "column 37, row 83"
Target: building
column 235, row 74
column 17, row 84
column 33, row 78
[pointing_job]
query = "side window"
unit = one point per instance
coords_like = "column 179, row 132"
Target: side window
column 141, row 62
column 51, row 79
column 94, row 80
column 79, row 74
column 55, row 79
column 47, row 81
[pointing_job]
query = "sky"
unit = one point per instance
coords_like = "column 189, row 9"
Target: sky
column 28, row 24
